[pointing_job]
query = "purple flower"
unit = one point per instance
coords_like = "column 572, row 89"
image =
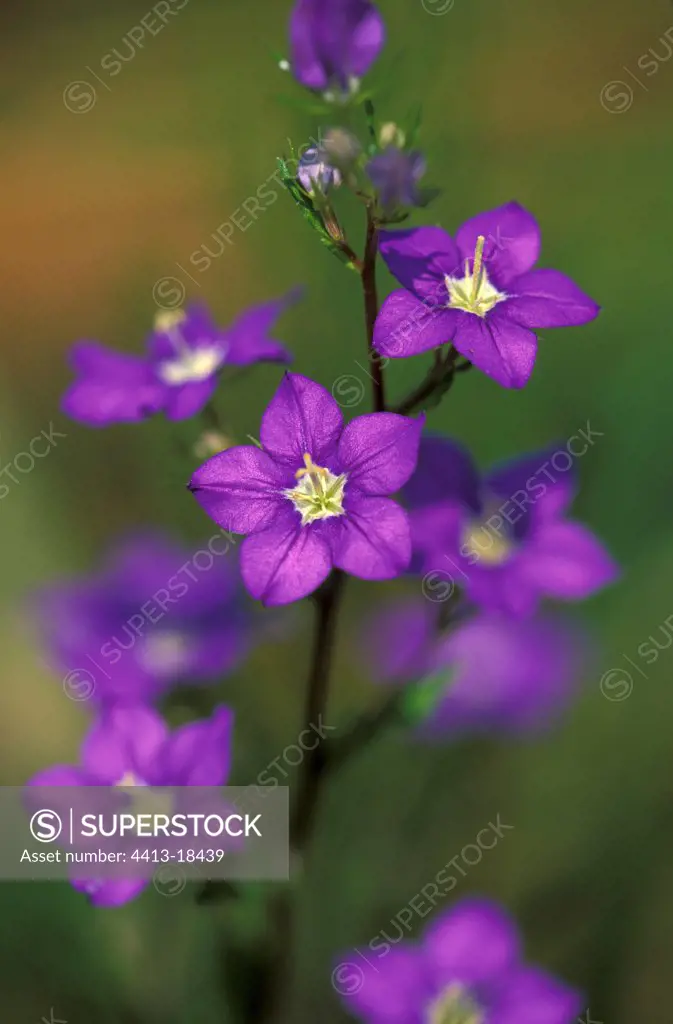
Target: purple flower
column 468, row 968
column 156, row 615
column 504, row 539
column 480, row 292
column 486, row 673
column 179, row 374
column 314, row 497
column 132, row 746
column 334, row 42
column 395, row 175
column 314, row 169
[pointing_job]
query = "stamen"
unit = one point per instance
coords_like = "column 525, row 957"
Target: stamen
column 319, row 494
column 476, row 269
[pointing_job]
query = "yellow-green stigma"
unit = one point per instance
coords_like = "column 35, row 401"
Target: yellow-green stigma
column 488, row 547
column 453, row 1006
column 190, row 365
column 474, row 293
column 318, row 494
column 166, row 319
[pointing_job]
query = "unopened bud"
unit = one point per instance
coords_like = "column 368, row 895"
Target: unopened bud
column 391, row 135
column 211, row 443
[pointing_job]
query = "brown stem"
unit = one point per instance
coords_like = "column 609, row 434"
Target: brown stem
column 440, row 375
column 368, row 276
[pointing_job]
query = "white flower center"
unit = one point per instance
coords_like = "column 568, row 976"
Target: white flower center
column 130, row 779
column 474, row 293
column 165, row 652
column 453, row 1006
column 319, row 493
column 190, row 364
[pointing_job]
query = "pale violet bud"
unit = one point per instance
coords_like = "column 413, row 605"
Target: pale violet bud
column 314, row 171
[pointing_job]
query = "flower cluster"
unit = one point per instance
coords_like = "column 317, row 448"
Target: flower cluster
column 316, row 499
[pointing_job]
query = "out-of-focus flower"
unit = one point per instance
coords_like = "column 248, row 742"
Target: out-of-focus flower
column 132, row 746
column 486, row 673
column 155, row 616
column 468, row 968
column 334, row 42
column 314, row 171
column 479, row 292
column 503, row 539
column 315, row 495
column 395, row 175
column 390, row 134
column 179, row 374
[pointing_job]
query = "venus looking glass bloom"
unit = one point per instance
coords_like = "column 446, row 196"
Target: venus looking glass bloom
column 468, row 968
column 133, row 746
column 315, row 171
column 314, row 496
column 484, row 673
column 504, row 539
column 179, row 373
column 479, row 292
column 333, row 43
column 156, row 615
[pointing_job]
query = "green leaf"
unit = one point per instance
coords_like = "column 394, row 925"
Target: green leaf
column 421, row 699
column 308, row 210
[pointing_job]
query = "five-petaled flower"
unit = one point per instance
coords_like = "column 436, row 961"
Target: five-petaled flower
column 479, row 292
column 315, row 496
column 133, row 746
column 157, row 615
column 504, row 539
column 485, row 673
column 334, row 42
column 468, row 968
column 178, row 376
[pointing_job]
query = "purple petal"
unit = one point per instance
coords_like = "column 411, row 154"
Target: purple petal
column 240, row 489
column 60, row 775
column 302, row 418
column 444, row 472
column 247, row 338
column 512, row 242
column 199, row 754
column 124, row 740
column 372, row 541
column 197, row 328
column 475, row 942
column 406, row 326
column 497, row 346
column 332, row 41
column 189, row 399
column 400, row 641
column 531, row 996
column 110, row 892
column 112, row 387
column 420, row 259
column 390, row 990
column 547, row 298
column 538, row 487
column 379, row 451
column 565, row 560
column 287, row 561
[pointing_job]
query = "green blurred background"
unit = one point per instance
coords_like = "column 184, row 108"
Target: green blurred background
column 99, row 204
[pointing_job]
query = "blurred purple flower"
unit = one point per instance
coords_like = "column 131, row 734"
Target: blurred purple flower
column 155, row 616
column 468, row 968
column 178, row 376
column 479, row 292
column 334, row 42
column 315, row 497
column 315, row 168
column 486, row 673
column 395, row 174
column 504, row 539
column 132, row 746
